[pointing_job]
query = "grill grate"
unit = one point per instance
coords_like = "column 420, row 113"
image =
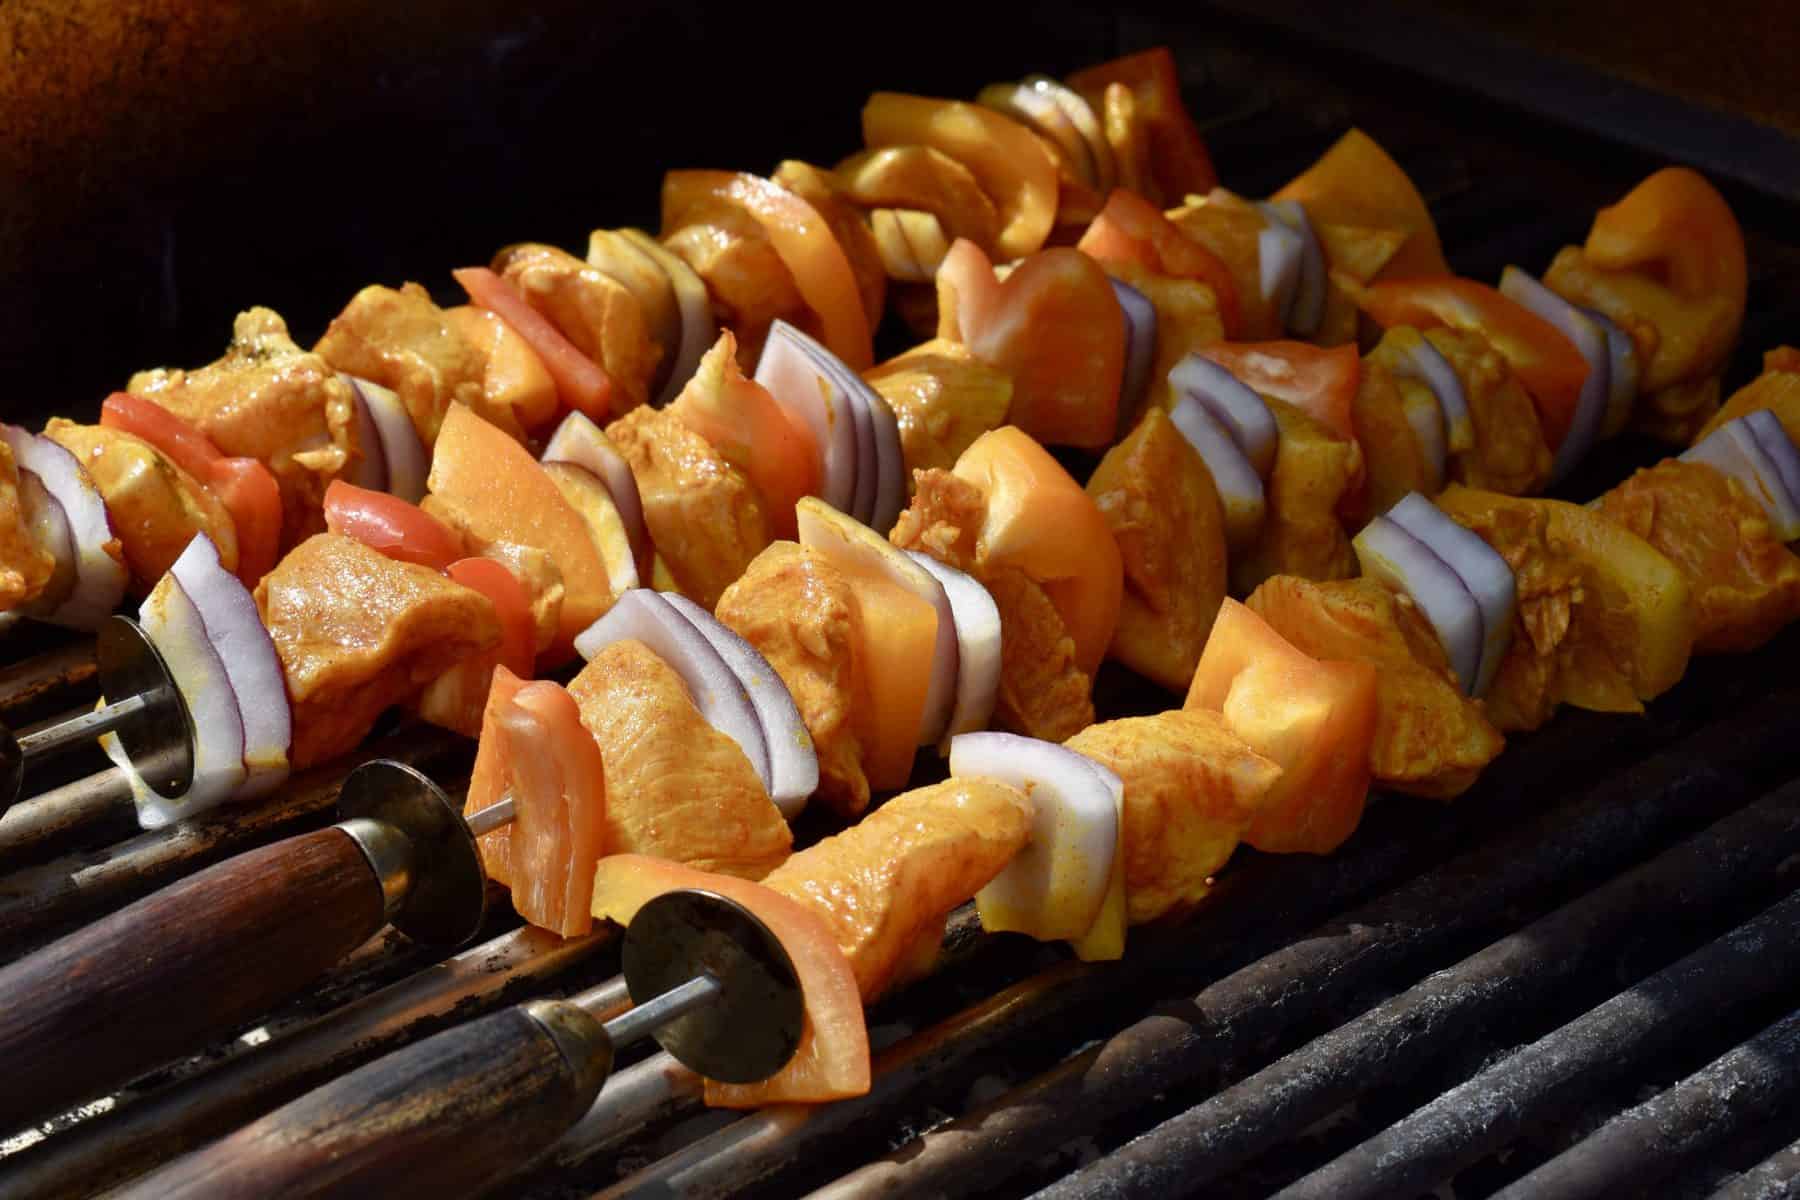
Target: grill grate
column 1577, row 980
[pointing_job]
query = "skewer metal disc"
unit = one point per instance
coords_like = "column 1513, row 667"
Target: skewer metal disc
column 751, row 1030
column 159, row 737
column 448, row 895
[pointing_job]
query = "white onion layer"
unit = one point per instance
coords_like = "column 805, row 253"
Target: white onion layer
column 793, row 763
column 1396, row 559
column 371, row 464
column 1244, row 413
column 1053, row 889
column 1307, row 312
column 235, row 629
column 100, row 578
column 1590, row 340
column 800, row 375
column 580, row 442
column 1140, row 350
column 1240, row 487
column 1755, row 450
column 401, row 448
column 977, row 620
column 1483, row 572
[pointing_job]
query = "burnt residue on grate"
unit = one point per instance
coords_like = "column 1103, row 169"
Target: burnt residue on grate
column 1579, row 979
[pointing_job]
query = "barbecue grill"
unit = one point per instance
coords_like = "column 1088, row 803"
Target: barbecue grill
column 1581, row 978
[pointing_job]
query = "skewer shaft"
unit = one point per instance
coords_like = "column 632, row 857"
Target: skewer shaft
column 653, row 1014
column 494, row 816
column 86, row 727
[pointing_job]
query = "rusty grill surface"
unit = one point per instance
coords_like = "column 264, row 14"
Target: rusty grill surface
column 1581, row 979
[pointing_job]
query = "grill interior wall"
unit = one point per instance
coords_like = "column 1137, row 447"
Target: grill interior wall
column 1504, row 187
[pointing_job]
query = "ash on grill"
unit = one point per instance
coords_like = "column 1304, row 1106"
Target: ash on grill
column 1580, row 979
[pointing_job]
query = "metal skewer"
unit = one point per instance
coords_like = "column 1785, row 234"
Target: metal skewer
column 456, row 1112
column 225, row 944
column 144, row 708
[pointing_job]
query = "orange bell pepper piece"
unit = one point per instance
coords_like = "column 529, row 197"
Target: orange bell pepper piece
column 1179, row 162
column 1356, row 183
column 1130, row 229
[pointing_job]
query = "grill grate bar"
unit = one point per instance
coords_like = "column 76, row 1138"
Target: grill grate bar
column 1720, row 979
column 1641, row 1146
column 1775, row 1178
column 1399, row 1036
column 54, row 678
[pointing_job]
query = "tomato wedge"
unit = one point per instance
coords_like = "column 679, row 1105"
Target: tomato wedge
column 1131, row 229
column 390, row 525
column 1356, row 183
column 1054, row 325
column 246, row 487
column 581, row 383
column 1040, row 521
column 518, row 631
column 832, row 1062
column 801, row 238
column 741, row 420
column 1315, row 719
column 1546, row 362
column 1179, row 161
column 559, row 785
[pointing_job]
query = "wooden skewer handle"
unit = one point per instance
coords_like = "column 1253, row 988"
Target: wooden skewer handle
column 446, row 1116
column 190, row 963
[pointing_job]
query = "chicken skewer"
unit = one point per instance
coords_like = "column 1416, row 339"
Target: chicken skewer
column 468, row 1106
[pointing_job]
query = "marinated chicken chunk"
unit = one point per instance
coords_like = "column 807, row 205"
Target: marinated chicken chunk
column 1604, row 622
column 1745, row 582
column 676, row 788
column 1191, row 789
column 1430, row 739
column 885, row 885
column 358, row 632
column 801, row 613
column 156, row 508
column 1159, row 500
column 406, row 343
column 1302, row 534
column 1354, row 256
column 458, row 698
column 26, row 567
column 1044, row 693
column 705, row 516
column 1396, row 460
column 1509, row 453
column 749, row 284
column 943, row 398
column 270, row 400
column 592, row 309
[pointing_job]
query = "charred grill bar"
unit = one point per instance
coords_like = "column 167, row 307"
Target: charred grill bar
column 1580, row 979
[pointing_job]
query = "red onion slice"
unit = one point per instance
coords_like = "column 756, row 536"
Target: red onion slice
column 814, row 387
column 1755, row 450
column 582, row 443
column 1039, row 111
column 1483, row 572
column 1307, row 312
column 862, row 503
column 1426, row 419
column 371, row 465
column 977, row 621
column 1622, row 374
column 1081, row 115
column 1140, row 350
column 1398, row 560
column 1053, row 889
column 1279, row 251
column 49, row 527
column 99, row 577
column 236, row 632
column 1425, row 363
column 1240, row 487
column 402, row 451
column 793, row 763
column 648, row 617
column 1590, row 340
column 1244, row 414
column 698, row 328
column 174, row 625
column 890, row 459
column 821, row 527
